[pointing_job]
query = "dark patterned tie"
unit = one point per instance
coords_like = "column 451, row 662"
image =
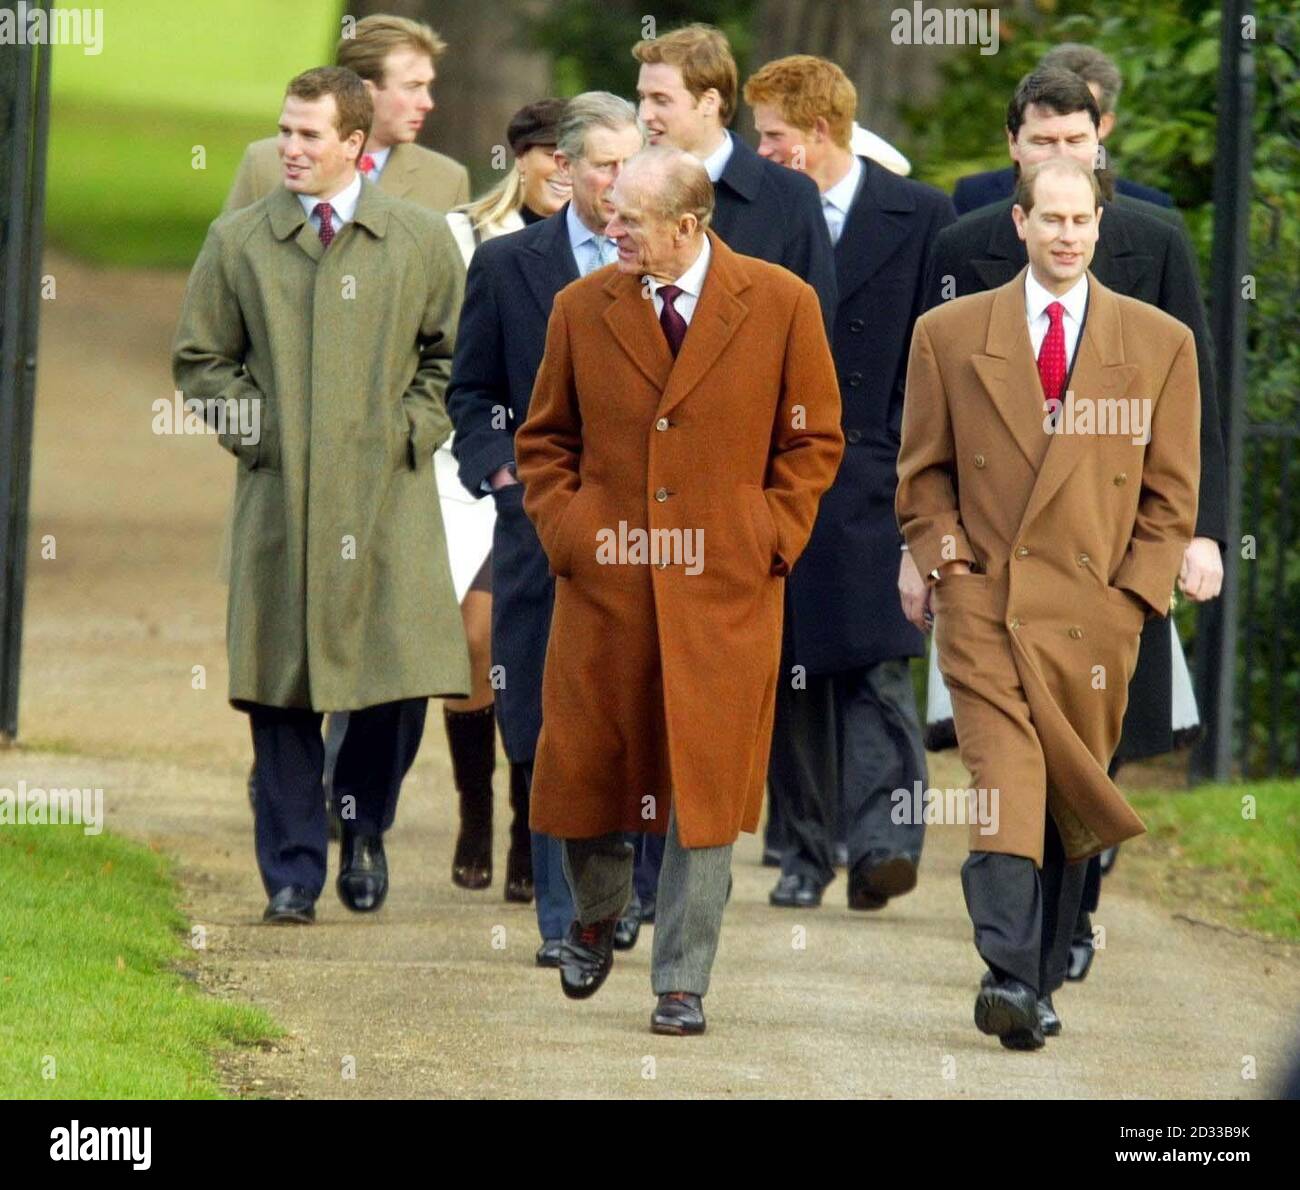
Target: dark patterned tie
column 673, row 323
column 326, row 213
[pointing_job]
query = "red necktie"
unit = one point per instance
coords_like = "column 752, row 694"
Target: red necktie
column 673, row 323
column 326, row 213
column 1051, row 356
column 367, row 164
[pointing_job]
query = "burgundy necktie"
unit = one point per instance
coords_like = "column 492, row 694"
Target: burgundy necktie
column 326, row 213
column 673, row 323
column 1051, row 356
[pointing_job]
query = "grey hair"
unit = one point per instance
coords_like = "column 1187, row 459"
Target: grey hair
column 683, row 184
column 1092, row 66
column 591, row 109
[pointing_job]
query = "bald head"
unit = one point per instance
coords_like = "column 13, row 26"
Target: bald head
column 663, row 202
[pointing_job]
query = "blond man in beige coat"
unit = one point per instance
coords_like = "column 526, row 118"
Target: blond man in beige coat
column 1047, row 485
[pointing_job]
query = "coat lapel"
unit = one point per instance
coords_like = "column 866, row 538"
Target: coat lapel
column 1099, row 374
column 548, row 264
column 396, row 178
column 877, row 226
column 287, row 219
column 630, row 316
column 1009, row 373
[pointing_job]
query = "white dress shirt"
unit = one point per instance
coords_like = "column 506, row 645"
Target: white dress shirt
column 1037, row 299
column 839, row 198
column 343, row 204
column 716, row 161
column 690, row 283
column 590, row 250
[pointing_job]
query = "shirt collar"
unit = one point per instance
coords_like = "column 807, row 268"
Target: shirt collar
column 1037, row 299
column 841, row 195
column 344, row 203
column 579, row 232
column 716, row 162
column 380, row 158
column 691, row 281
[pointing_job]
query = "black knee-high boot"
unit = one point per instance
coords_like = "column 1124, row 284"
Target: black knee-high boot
column 471, row 736
column 519, row 864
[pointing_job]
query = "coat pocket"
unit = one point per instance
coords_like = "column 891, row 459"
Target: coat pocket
column 1130, row 606
column 764, row 527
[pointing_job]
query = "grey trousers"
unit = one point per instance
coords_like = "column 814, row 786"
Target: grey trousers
column 688, row 917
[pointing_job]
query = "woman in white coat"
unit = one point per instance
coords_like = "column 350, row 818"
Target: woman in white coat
column 531, row 190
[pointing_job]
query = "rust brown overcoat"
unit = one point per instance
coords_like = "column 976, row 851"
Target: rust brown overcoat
column 1078, row 537
column 660, row 683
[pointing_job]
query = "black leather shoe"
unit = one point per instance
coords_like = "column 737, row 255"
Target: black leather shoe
column 1047, row 1017
column 290, row 906
column 548, row 954
column 795, row 891
column 519, row 874
column 586, row 957
column 362, row 883
column 1081, row 950
column 628, row 928
column 679, row 1014
column 872, row 884
column 1008, row 1010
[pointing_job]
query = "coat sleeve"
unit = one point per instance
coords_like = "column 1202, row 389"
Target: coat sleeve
column 243, row 190
column 478, row 397
column 548, row 446
column 210, row 345
column 436, row 343
column 807, row 441
column 926, row 501
column 808, row 251
column 1180, row 295
column 1166, row 513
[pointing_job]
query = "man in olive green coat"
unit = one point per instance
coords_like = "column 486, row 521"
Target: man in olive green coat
column 317, row 330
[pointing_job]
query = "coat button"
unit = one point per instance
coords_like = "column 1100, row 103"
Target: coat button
column 855, row 379
column 856, row 324
column 1022, row 552
column 661, row 495
column 1076, row 633
column 1083, row 559
column 1015, row 621
column 1121, row 479
column 979, row 460
column 854, row 436
column 661, row 424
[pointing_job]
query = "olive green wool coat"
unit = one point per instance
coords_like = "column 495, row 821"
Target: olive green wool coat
column 340, row 592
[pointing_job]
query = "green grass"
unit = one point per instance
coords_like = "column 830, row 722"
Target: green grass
column 91, row 948
column 122, row 189
column 1248, row 867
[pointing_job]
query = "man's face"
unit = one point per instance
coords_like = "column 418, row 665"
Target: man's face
column 1044, row 134
column 647, row 242
column 670, row 113
column 782, row 142
column 1060, row 233
column 313, row 159
column 404, row 100
column 595, row 172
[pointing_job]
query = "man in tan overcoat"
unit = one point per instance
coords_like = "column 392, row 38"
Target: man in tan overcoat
column 395, row 57
column 317, row 332
column 684, row 424
column 1047, row 479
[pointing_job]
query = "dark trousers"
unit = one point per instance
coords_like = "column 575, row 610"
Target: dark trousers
column 551, row 892
column 1024, row 916
column 875, row 746
column 290, row 827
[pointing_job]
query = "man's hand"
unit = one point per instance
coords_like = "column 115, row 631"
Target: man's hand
column 1201, row 576
column 502, row 477
column 914, row 592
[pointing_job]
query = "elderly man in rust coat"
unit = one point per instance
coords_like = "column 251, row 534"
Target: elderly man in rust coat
column 1048, row 477
column 683, row 428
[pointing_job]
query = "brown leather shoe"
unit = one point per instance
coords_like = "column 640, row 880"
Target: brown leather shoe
column 679, row 1014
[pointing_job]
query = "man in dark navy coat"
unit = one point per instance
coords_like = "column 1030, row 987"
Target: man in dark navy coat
column 1104, row 81
column 688, row 89
column 849, row 633
column 1143, row 253
column 510, row 288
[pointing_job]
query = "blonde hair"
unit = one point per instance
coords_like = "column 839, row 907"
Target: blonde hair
column 376, row 37
column 506, row 197
column 803, row 87
column 703, row 55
